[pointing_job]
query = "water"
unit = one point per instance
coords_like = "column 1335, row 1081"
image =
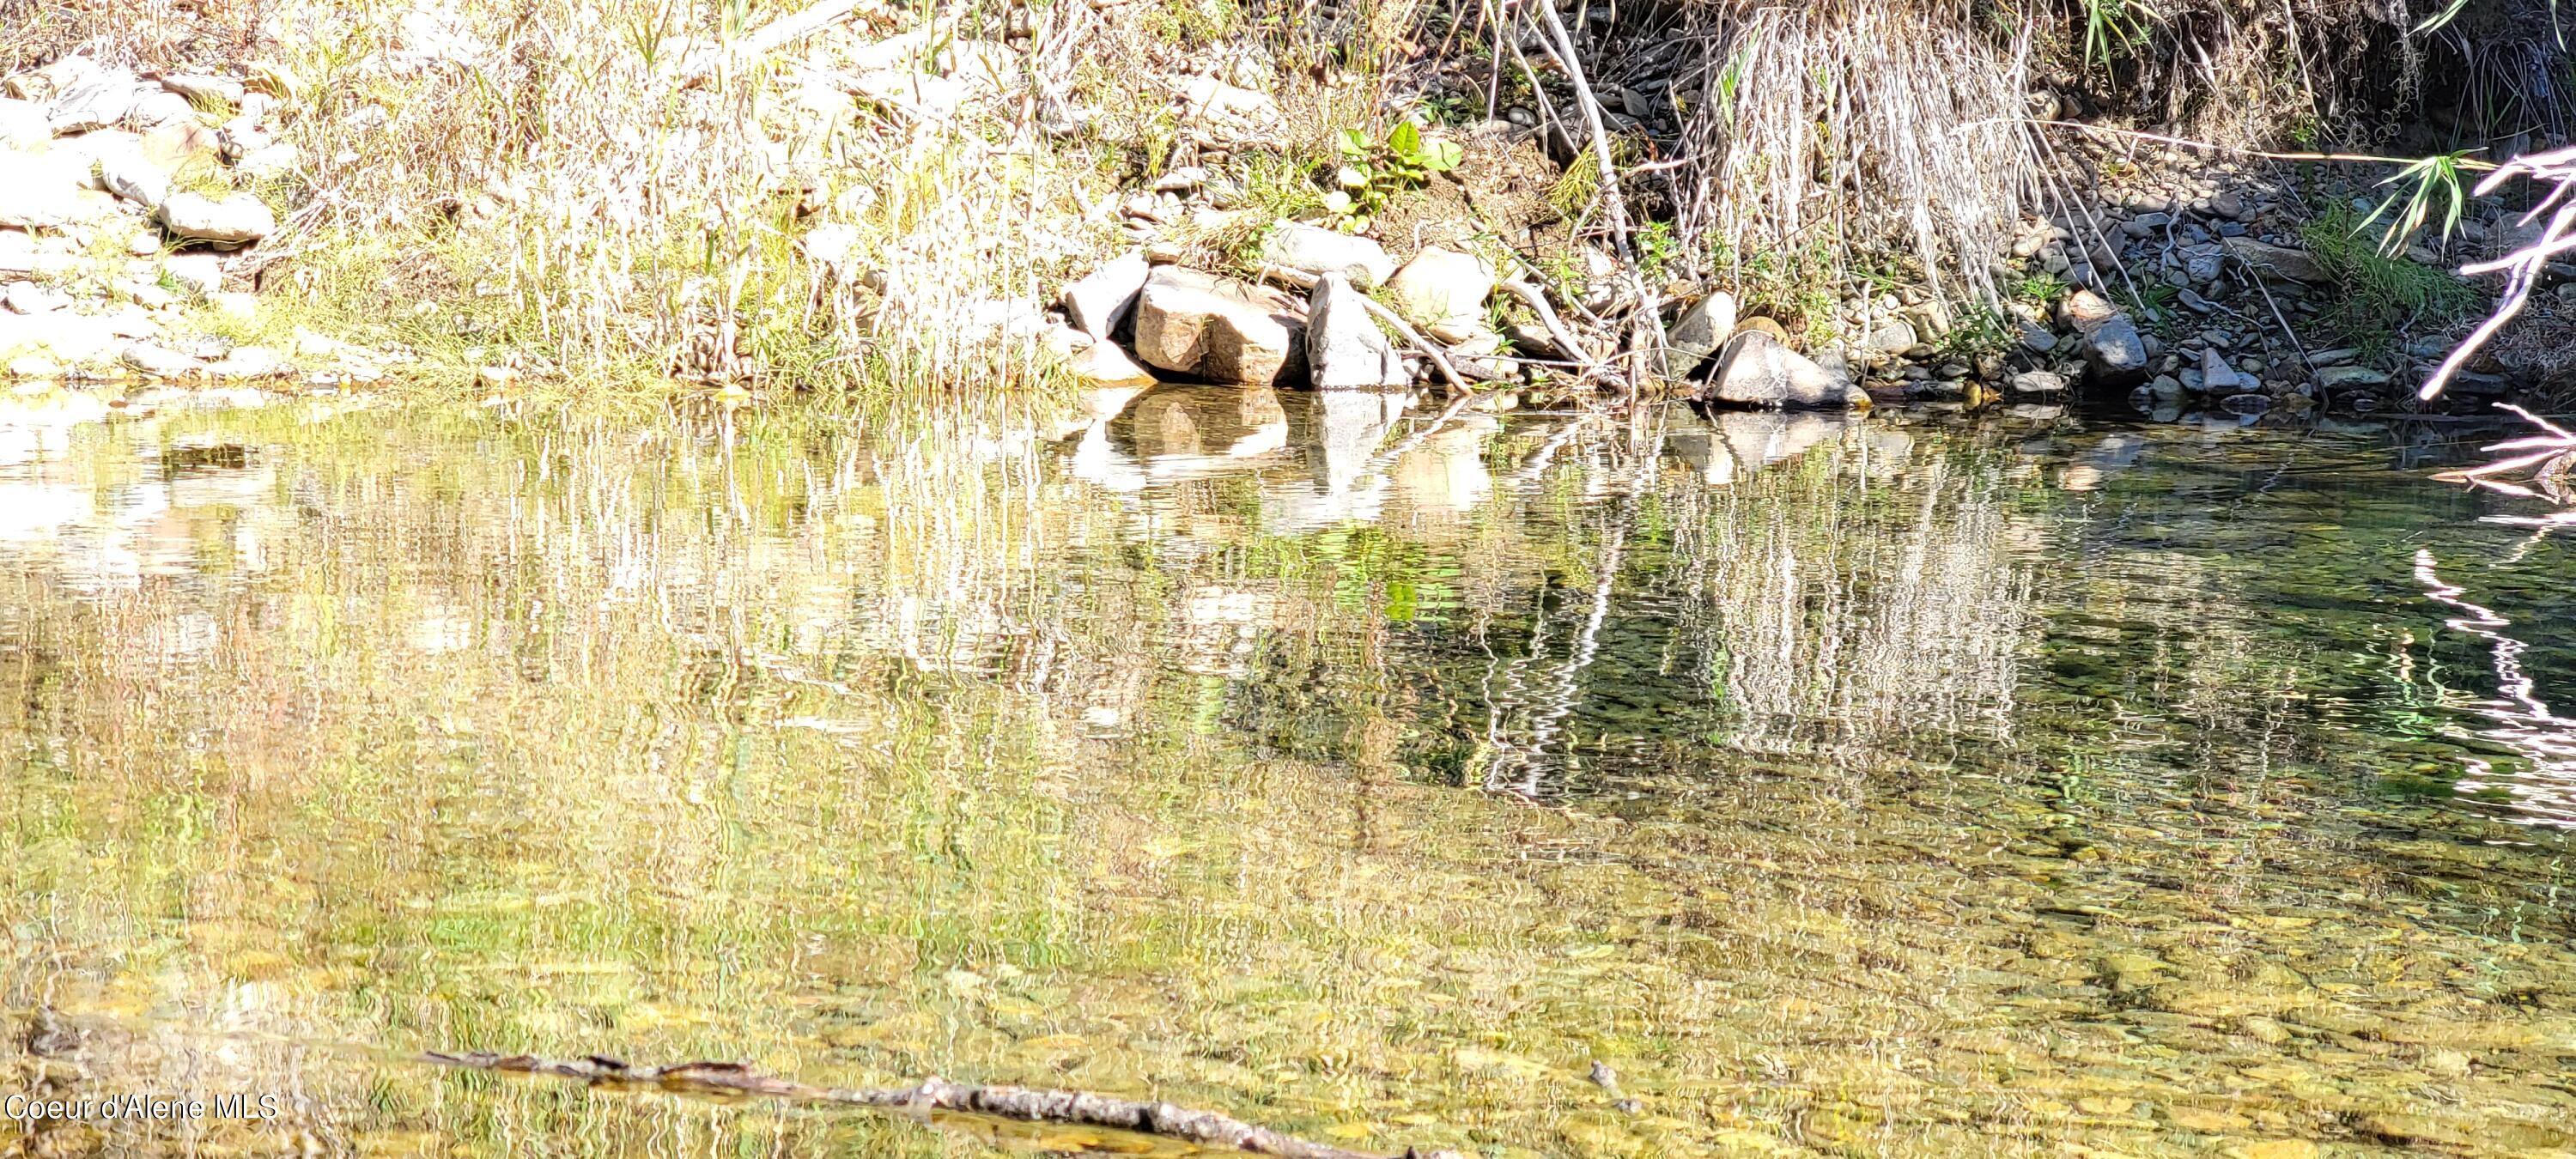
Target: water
column 2022, row 783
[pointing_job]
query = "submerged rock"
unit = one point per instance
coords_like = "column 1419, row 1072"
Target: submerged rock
column 1344, row 348
column 1758, row 371
column 1219, row 329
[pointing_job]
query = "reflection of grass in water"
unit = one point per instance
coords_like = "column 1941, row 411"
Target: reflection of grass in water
column 583, row 821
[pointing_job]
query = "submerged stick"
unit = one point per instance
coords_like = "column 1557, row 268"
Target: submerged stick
column 1075, row 1108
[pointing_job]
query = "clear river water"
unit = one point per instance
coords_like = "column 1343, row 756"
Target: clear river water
column 2027, row 782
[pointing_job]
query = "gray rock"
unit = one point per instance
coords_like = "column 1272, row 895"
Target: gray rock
column 249, row 362
column 2229, row 203
column 1344, row 348
column 1757, row 370
column 1099, row 300
column 1315, row 250
column 2038, row 382
column 1223, row 330
column 1104, row 365
column 1895, row 336
column 1700, row 332
column 30, row 298
column 236, row 220
column 2279, row 261
column 153, row 107
column 2107, row 338
column 2216, row 376
column 1443, row 290
column 2350, row 377
column 2038, row 340
column 2245, row 404
column 1185, row 179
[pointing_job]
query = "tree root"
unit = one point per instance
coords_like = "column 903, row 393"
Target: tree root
column 1075, row 1108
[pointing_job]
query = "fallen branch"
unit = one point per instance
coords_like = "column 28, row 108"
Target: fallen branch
column 1556, row 331
column 1306, row 281
column 2550, row 464
column 1076, row 1108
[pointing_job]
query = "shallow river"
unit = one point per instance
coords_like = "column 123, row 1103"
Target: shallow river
column 2025, row 783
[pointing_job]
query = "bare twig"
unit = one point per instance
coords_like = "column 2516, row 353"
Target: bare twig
column 1206, row 1128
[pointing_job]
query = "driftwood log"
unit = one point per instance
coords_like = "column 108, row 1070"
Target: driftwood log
column 1075, row 1108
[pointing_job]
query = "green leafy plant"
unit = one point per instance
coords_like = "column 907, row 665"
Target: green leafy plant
column 2113, row 27
column 1656, row 248
column 2425, row 185
column 1373, row 173
column 2043, row 288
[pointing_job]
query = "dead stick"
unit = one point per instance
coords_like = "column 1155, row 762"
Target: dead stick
column 1206, row 1128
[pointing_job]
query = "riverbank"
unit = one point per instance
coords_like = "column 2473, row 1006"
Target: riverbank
column 850, row 196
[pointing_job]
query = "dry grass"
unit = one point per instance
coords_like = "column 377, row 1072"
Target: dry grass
column 1852, row 126
column 159, row 34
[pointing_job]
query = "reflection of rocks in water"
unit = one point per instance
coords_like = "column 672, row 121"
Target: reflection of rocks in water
column 1093, row 408
column 1344, row 431
column 1732, row 445
column 1189, row 430
column 2116, row 453
column 1446, row 473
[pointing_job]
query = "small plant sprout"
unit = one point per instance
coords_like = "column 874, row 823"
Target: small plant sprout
column 1372, row 173
column 2112, row 27
column 2423, row 184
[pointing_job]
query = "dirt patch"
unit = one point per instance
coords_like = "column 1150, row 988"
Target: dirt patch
column 1500, row 188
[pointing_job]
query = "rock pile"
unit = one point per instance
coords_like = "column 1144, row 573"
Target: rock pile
column 163, row 169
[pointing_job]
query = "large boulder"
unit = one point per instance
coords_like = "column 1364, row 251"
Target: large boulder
column 1700, row 332
column 1344, row 348
column 127, row 173
column 1098, row 300
column 1443, row 291
column 1219, row 329
column 2109, row 341
column 1757, row 371
column 236, row 220
column 1315, row 250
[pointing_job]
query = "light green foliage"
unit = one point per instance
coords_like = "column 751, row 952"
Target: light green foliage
column 1978, row 332
column 2432, row 184
column 2044, row 288
column 2380, row 294
column 1370, row 174
column 2115, row 27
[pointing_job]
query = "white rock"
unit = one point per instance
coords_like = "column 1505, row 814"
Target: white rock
column 236, row 220
column 235, row 305
column 42, row 190
column 160, row 361
column 196, row 273
column 1443, row 289
column 267, row 162
column 95, row 103
column 1315, row 250
column 1344, row 348
column 1103, row 364
column 22, row 123
column 128, row 174
column 1097, row 301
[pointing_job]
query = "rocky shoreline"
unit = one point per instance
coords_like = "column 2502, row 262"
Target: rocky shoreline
column 151, row 212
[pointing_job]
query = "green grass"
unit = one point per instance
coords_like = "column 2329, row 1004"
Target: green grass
column 2380, row 296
